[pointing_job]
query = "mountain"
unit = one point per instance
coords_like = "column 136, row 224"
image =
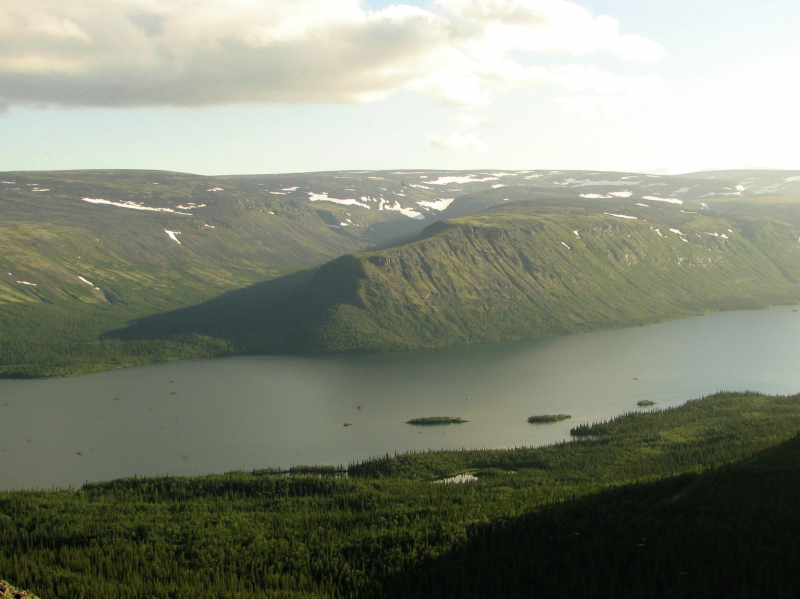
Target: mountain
column 385, row 206
column 179, row 231
column 84, row 252
column 104, row 268
column 523, row 269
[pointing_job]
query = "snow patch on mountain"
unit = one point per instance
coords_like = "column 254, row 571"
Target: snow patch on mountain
column 440, row 204
column 172, row 235
column 323, row 197
column 657, row 199
column 131, row 205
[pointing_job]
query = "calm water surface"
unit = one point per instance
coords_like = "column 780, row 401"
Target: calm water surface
column 216, row 415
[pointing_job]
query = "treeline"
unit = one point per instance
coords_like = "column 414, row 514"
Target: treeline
column 52, row 340
column 385, row 530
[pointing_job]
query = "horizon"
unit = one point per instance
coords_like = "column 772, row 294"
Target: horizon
column 398, row 170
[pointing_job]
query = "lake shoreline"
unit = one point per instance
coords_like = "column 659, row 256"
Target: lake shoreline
column 104, row 366
column 193, row 417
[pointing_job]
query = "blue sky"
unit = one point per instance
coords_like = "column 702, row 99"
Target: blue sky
column 246, row 86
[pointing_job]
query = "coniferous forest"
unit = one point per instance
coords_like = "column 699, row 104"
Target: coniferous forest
column 698, row 500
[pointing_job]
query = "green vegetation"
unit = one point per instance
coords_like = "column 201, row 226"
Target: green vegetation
column 645, row 403
column 507, row 273
column 650, row 495
column 503, row 274
column 543, row 418
column 110, row 287
column 7, row 591
column 96, row 268
column 436, row 420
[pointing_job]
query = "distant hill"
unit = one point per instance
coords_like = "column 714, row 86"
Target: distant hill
column 201, row 264
column 84, row 252
column 385, row 206
column 524, row 270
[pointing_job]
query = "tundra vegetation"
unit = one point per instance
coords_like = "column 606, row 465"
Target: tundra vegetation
column 101, row 269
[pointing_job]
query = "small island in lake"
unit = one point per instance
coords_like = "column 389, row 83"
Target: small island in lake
column 542, row 418
column 436, row 420
column 645, row 403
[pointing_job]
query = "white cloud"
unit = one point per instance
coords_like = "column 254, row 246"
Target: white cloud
column 55, row 27
column 212, row 52
column 470, row 121
column 636, row 47
column 610, row 94
column 586, row 106
column 468, row 142
column 551, row 26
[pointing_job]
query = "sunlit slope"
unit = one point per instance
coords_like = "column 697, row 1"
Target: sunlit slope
column 523, row 270
column 81, row 253
column 131, row 232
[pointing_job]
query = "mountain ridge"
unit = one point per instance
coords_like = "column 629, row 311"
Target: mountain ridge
column 90, row 259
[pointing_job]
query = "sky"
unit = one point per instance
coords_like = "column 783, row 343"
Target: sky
column 267, row 86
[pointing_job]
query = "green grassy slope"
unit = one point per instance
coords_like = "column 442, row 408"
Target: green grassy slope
column 387, row 530
column 517, row 270
column 93, row 267
column 521, row 270
column 87, row 285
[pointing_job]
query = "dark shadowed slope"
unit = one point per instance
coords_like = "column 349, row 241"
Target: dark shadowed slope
column 732, row 532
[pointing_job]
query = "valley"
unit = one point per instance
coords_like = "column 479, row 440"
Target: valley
column 429, row 299
column 113, row 268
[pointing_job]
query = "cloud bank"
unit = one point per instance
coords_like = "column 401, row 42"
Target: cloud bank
column 137, row 53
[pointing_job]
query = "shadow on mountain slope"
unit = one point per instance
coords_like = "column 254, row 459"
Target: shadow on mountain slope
column 283, row 315
column 732, row 532
column 255, row 319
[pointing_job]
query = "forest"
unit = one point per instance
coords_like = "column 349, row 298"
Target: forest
column 675, row 502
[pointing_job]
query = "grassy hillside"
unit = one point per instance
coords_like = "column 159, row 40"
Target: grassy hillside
column 107, row 268
column 524, row 271
column 518, row 270
column 72, row 269
column 537, row 522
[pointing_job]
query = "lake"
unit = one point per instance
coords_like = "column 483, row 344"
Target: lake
column 216, row 415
